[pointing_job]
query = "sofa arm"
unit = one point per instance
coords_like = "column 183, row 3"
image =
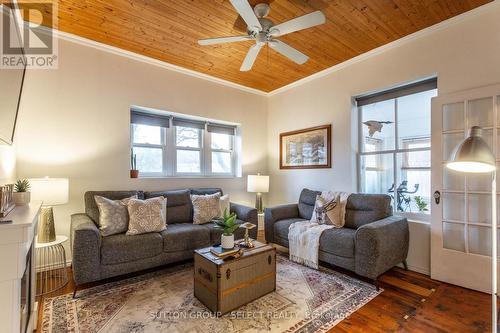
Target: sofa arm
column 381, row 245
column 277, row 213
column 85, row 248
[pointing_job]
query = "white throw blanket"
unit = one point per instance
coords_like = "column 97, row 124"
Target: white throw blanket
column 303, row 236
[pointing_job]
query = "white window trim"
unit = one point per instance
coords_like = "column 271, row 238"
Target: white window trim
column 412, row 216
column 170, row 148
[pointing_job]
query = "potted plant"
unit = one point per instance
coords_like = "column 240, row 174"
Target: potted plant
column 22, row 194
column 134, row 173
column 228, row 224
column 421, row 204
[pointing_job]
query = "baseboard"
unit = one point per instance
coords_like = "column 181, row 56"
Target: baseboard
column 417, row 269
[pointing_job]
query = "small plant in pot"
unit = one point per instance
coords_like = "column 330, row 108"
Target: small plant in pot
column 421, row 204
column 22, row 194
column 134, row 173
column 228, row 224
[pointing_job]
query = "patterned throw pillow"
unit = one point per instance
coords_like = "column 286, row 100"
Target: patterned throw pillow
column 113, row 215
column 146, row 215
column 205, row 207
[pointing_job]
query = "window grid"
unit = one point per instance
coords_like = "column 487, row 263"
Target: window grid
column 393, row 152
column 169, row 154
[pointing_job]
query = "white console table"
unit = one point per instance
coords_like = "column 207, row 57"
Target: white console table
column 16, row 240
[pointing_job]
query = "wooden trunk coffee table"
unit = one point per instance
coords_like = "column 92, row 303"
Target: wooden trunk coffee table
column 225, row 285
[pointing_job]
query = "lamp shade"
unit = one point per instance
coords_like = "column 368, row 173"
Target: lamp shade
column 52, row 191
column 258, row 183
column 473, row 155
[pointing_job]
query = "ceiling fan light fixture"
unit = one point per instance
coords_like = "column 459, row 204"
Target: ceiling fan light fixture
column 263, row 30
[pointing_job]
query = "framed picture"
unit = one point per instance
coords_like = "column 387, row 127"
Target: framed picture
column 309, row 148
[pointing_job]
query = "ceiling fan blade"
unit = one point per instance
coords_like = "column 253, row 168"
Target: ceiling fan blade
column 246, row 12
column 252, row 54
column 221, row 40
column 299, row 23
column 288, row 51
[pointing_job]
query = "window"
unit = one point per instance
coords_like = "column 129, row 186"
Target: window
column 169, row 145
column 395, row 146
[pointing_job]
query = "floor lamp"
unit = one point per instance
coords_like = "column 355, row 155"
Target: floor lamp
column 474, row 156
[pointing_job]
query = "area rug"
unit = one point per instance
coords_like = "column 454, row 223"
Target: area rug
column 306, row 300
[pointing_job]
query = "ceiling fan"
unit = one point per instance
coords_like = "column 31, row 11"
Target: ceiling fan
column 263, row 31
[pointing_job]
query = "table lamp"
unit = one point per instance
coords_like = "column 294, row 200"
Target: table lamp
column 52, row 191
column 473, row 155
column 258, row 184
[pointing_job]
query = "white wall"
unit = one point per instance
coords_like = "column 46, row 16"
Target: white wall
column 7, row 164
column 74, row 122
column 464, row 55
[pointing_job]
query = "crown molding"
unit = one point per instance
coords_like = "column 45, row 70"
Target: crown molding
column 139, row 57
column 384, row 48
column 399, row 42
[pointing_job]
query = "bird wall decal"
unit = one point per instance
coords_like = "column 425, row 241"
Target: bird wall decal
column 375, row 126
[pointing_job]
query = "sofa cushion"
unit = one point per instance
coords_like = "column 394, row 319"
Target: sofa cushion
column 362, row 209
column 185, row 236
column 338, row 241
column 216, row 233
column 91, row 207
column 179, row 208
column 205, row 191
column 121, row 248
column 306, row 203
column 281, row 227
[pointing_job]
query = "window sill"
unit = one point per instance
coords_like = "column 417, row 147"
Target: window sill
column 416, row 217
column 187, row 177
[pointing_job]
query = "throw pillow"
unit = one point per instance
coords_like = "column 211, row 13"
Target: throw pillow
column 146, row 215
column 205, row 207
column 324, row 210
column 330, row 208
column 224, row 204
column 113, row 215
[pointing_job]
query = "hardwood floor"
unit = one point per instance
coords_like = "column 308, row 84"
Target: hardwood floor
column 410, row 302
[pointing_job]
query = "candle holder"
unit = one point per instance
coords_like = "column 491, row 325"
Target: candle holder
column 247, row 241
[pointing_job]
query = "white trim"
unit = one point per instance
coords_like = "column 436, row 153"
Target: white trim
column 421, row 270
column 139, row 57
column 416, row 35
column 384, row 48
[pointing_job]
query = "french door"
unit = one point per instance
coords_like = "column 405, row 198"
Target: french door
column 461, row 208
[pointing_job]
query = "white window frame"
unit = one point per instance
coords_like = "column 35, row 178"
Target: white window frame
column 424, row 217
column 169, row 150
column 210, row 150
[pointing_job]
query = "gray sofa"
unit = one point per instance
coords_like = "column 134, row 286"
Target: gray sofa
column 371, row 242
column 96, row 257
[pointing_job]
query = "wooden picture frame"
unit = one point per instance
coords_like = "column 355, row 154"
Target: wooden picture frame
column 321, row 134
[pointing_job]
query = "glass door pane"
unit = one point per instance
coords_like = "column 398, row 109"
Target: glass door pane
column 453, row 117
column 453, row 236
column 480, row 112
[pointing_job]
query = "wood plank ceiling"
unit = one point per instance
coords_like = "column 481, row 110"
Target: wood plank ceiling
column 168, row 30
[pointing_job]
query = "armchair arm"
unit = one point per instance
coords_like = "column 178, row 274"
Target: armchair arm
column 277, row 213
column 85, row 248
column 244, row 213
column 381, row 245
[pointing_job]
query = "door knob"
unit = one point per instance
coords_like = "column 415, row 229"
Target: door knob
column 437, row 197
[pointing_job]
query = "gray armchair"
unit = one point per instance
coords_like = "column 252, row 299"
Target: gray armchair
column 371, row 242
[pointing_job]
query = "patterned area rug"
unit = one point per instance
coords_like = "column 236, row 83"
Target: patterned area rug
column 306, row 300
